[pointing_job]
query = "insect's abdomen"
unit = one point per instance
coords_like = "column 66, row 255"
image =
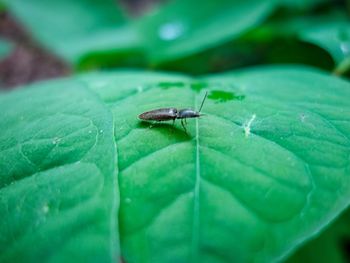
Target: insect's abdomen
column 164, row 114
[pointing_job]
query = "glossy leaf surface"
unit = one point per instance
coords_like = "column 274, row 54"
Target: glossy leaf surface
column 58, row 187
column 264, row 170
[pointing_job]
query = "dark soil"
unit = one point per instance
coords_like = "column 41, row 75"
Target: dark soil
column 27, row 62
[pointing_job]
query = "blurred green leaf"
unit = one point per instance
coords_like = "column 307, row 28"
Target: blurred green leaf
column 329, row 246
column 182, row 28
column 2, row 7
column 6, row 47
column 333, row 36
column 89, row 33
column 303, row 4
column 75, row 29
column 330, row 32
column 184, row 35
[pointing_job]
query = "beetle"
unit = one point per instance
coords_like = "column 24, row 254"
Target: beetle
column 167, row 114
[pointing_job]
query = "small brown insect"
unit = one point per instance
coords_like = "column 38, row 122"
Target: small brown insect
column 167, row 114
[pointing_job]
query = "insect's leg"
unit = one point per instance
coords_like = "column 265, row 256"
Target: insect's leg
column 185, row 121
column 183, row 125
column 173, row 121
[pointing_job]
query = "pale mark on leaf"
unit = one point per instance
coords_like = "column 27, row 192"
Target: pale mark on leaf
column 139, row 89
column 56, row 140
column 247, row 125
column 302, row 117
column 45, row 208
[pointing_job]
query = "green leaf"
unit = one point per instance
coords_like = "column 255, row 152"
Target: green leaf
column 6, row 48
column 330, row 32
column 182, row 28
column 58, row 188
column 329, row 246
column 303, row 4
column 77, row 29
column 333, row 36
column 2, row 7
column 264, row 170
column 91, row 34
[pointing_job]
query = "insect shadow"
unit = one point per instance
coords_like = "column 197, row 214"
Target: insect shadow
column 165, row 128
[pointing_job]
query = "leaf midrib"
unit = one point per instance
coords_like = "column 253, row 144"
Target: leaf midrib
column 196, row 198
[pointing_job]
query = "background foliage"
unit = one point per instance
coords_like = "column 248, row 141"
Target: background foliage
column 263, row 177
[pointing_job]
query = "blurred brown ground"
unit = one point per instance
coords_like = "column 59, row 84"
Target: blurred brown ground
column 27, row 62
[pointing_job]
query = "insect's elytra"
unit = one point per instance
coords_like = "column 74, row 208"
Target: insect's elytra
column 163, row 114
column 167, row 114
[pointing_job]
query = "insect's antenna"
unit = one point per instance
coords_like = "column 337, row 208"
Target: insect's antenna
column 205, row 96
